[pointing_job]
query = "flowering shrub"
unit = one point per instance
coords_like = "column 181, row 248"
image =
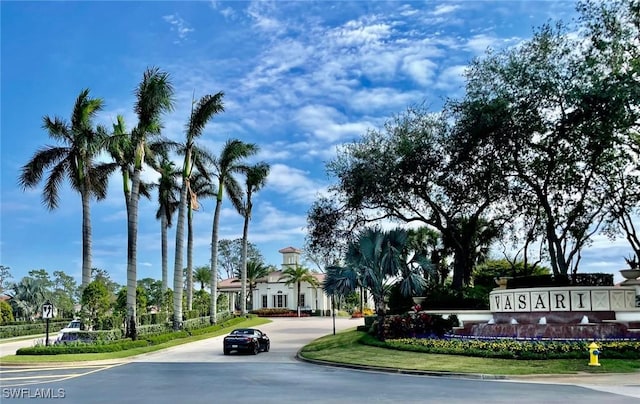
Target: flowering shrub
column 417, row 325
column 278, row 312
column 514, row 349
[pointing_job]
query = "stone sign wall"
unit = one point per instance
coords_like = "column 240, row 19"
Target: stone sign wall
column 600, row 298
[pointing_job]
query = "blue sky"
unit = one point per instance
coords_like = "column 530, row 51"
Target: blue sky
column 300, row 78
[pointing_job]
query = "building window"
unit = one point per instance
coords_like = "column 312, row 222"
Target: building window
column 264, row 301
column 280, row 300
column 301, row 303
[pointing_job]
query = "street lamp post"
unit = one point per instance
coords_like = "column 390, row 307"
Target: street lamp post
column 333, row 313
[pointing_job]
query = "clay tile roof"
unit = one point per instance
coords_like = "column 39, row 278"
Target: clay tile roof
column 289, row 250
column 229, row 283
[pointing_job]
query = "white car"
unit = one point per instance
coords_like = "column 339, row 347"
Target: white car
column 67, row 333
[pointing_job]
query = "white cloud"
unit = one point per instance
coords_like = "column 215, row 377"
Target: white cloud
column 259, row 12
column 357, row 33
column 445, row 9
column 421, row 70
column 178, row 25
column 292, row 182
column 452, row 78
column 328, row 124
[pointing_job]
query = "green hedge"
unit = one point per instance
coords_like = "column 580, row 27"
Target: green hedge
column 510, row 349
column 153, row 329
column 100, row 335
column 22, row 329
column 79, row 347
column 100, row 346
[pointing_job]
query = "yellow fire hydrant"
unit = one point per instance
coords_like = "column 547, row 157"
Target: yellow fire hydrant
column 594, row 351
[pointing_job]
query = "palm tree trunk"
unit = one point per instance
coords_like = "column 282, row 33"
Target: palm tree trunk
column 165, row 274
column 86, row 239
column 177, row 268
column 380, row 311
column 163, row 232
column 243, row 291
column 132, row 239
column 213, row 316
column 189, row 257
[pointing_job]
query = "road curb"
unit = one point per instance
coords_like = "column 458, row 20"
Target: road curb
column 453, row 375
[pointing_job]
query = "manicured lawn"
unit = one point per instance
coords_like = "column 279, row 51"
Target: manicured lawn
column 33, row 359
column 345, row 348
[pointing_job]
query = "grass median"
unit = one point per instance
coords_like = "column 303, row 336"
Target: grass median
column 35, row 359
column 346, row 348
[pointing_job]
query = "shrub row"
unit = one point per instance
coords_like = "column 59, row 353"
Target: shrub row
column 510, row 349
column 80, row 347
column 415, row 324
column 278, row 312
column 153, row 329
column 199, row 322
column 100, row 335
column 104, row 345
column 21, row 329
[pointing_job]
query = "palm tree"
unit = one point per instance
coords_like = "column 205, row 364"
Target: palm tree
column 154, row 96
column 167, row 205
column 200, row 187
column 202, row 275
column 379, row 257
column 256, row 178
column 296, row 275
column 230, row 161
column 340, row 282
column 120, row 147
column 26, row 297
column 255, row 270
column 201, row 113
column 74, row 160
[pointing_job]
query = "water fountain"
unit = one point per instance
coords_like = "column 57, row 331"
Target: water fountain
column 567, row 312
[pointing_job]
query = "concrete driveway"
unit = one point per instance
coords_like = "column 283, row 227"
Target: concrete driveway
column 287, row 336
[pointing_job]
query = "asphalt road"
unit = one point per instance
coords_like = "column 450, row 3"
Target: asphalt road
column 200, row 373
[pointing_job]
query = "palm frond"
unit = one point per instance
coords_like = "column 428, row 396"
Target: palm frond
column 203, row 159
column 257, row 176
column 234, row 193
column 340, row 281
column 233, row 152
column 85, row 109
column 145, row 189
column 208, row 106
column 162, row 146
column 31, row 173
column 57, row 129
column 201, row 186
column 154, row 96
column 52, row 185
column 99, row 177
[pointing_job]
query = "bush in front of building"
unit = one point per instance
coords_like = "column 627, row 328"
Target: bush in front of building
column 279, row 312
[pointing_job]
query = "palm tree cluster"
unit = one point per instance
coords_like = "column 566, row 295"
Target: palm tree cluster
column 377, row 260
column 202, row 175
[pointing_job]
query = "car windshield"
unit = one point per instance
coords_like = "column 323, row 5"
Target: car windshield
column 242, row 332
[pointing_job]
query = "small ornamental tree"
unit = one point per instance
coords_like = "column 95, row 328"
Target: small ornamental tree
column 95, row 302
column 6, row 313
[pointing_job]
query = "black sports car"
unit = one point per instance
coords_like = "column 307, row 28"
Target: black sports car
column 246, row 339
